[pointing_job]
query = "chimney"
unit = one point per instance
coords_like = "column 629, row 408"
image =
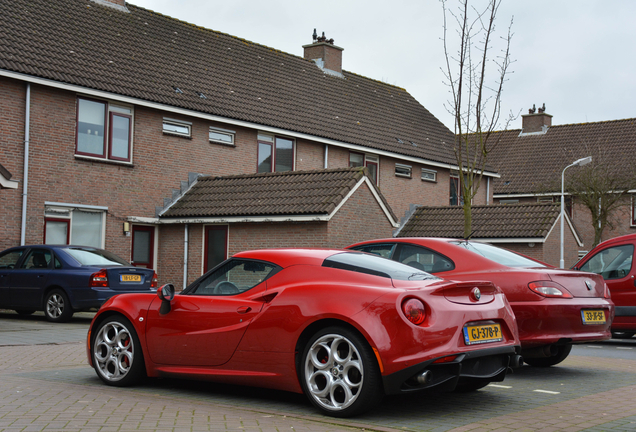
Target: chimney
column 325, row 54
column 534, row 122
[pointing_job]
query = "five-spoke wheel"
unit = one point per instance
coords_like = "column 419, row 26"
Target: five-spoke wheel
column 57, row 307
column 340, row 373
column 116, row 352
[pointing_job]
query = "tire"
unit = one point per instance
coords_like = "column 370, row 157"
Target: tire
column 622, row 335
column 25, row 312
column 562, row 352
column 57, row 307
column 339, row 373
column 116, row 352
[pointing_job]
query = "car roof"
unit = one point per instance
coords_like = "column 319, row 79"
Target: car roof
column 286, row 257
column 619, row 239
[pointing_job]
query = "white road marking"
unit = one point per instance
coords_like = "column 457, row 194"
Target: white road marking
column 499, row 386
column 546, row 391
column 594, row 346
column 627, row 348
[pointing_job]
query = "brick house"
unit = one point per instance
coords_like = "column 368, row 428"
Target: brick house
column 531, row 229
column 531, row 161
column 109, row 111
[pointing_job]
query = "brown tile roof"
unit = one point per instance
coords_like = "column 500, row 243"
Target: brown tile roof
column 533, row 163
column 491, row 221
column 146, row 55
column 291, row 193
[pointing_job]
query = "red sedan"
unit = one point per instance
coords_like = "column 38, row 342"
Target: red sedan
column 554, row 308
column 343, row 327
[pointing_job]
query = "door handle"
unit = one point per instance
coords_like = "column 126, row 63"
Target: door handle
column 244, row 309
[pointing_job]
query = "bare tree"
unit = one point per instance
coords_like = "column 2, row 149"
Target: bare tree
column 602, row 186
column 476, row 101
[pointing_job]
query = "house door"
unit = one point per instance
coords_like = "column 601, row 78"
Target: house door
column 215, row 246
column 143, row 246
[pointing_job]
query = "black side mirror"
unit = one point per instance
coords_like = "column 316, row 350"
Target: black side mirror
column 166, row 295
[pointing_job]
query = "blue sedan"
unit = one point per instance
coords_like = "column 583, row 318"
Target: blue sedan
column 61, row 280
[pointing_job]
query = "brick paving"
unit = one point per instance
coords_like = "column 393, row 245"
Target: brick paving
column 46, row 385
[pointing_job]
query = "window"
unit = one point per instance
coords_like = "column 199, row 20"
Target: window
column 215, row 247
column 508, row 201
column 369, row 161
column 611, row 263
column 177, row 127
column 633, row 210
column 543, row 200
column 74, row 225
column 234, row 277
column 374, row 265
column 221, row 136
column 10, row 259
column 402, row 170
column 37, row 259
column 104, row 130
column 455, row 193
column 424, row 259
column 385, row 250
column 275, row 154
column 498, row 255
column 429, row 175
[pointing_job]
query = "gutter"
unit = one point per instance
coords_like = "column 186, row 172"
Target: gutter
column 25, row 181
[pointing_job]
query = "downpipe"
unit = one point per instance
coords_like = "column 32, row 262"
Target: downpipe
column 25, row 180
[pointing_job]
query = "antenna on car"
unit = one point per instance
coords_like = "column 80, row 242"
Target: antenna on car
column 469, row 236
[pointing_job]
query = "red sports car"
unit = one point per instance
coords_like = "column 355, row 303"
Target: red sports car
column 343, row 327
column 554, row 308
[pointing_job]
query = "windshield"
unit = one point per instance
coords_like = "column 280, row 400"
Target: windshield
column 95, row 257
column 498, row 255
column 375, row 265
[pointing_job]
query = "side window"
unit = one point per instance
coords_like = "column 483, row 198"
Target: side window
column 37, row 259
column 424, row 259
column 385, row 250
column 275, row 154
column 9, row 260
column 611, row 263
column 234, row 277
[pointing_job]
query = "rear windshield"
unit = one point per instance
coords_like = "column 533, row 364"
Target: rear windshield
column 95, row 257
column 375, row 265
column 498, row 255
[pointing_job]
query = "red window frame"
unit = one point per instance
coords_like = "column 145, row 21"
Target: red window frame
column 77, row 124
column 68, row 228
column 110, row 135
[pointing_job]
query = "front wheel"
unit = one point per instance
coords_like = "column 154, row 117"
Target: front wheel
column 562, row 351
column 57, row 307
column 116, row 352
column 340, row 374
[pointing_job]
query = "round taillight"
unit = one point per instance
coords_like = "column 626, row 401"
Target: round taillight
column 414, row 311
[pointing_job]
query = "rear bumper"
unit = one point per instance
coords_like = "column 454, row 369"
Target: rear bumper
column 485, row 365
column 549, row 321
column 89, row 298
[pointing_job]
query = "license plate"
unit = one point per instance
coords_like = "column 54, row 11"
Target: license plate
column 593, row 316
column 484, row 333
column 130, row 278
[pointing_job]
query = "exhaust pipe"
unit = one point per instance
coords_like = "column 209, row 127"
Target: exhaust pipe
column 424, row 377
column 516, row 361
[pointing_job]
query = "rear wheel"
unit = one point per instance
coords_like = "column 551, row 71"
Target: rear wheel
column 57, row 307
column 116, row 352
column 340, row 374
column 562, row 351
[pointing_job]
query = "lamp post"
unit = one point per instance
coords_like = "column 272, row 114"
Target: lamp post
column 579, row 162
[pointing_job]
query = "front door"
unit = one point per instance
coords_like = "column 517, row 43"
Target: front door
column 143, row 246
column 215, row 246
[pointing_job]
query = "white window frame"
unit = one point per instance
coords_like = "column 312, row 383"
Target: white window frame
column 224, row 132
column 402, row 170
column 428, row 171
column 544, row 200
column 177, row 123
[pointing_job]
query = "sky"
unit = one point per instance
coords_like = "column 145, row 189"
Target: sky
column 574, row 56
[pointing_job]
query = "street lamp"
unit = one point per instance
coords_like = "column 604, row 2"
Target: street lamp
column 579, row 162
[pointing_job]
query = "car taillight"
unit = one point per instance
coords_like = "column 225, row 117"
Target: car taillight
column 155, row 280
column 606, row 292
column 549, row 289
column 414, row 310
column 99, row 279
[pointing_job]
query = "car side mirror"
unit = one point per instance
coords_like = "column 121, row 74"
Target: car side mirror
column 166, row 295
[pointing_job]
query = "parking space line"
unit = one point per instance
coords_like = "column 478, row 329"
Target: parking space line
column 625, row 348
column 594, row 346
column 547, row 391
column 499, row 386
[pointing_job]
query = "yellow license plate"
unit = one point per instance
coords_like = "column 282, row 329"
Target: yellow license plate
column 130, row 278
column 484, row 333
column 593, row 316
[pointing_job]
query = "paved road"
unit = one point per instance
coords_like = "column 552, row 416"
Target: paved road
column 46, row 384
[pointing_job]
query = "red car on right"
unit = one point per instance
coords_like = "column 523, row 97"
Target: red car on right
column 614, row 260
